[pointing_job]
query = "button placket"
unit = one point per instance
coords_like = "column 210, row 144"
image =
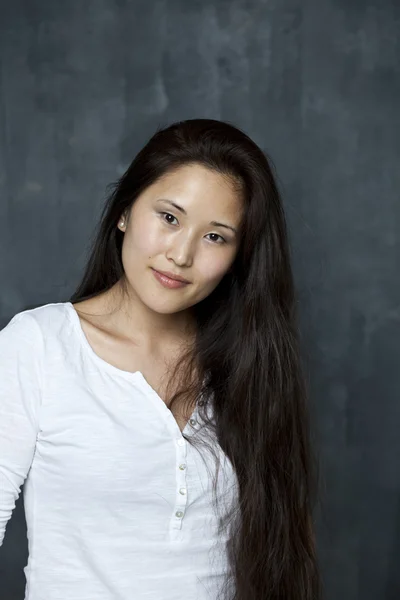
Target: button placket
column 181, row 491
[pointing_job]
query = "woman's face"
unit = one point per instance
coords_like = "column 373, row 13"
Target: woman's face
column 160, row 236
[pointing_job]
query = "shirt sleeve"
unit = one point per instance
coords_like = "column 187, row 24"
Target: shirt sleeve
column 20, row 399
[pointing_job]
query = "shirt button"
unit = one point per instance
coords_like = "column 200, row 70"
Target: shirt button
column 182, row 491
column 180, row 442
column 179, row 514
column 182, row 466
column 193, row 422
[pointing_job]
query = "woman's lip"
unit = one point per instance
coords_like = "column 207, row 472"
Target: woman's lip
column 171, row 276
column 167, row 281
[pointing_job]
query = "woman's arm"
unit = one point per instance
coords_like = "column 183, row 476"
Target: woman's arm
column 20, row 399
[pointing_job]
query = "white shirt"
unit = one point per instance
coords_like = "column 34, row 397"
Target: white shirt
column 117, row 503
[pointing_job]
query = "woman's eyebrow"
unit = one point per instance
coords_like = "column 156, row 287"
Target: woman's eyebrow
column 183, row 211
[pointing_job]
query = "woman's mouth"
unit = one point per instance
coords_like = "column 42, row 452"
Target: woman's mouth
column 167, row 281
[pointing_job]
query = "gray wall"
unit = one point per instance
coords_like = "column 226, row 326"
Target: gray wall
column 316, row 84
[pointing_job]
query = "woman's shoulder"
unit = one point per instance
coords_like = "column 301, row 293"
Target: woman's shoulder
column 43, row 319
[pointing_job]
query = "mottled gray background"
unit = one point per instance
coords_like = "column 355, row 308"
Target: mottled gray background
column 316, row 84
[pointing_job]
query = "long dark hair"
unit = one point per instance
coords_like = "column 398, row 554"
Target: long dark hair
column 247, row 354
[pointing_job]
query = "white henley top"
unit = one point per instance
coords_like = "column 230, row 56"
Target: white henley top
column 117, row 502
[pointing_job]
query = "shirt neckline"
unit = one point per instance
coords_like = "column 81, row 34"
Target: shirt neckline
column 131, row 375
column 85, row 342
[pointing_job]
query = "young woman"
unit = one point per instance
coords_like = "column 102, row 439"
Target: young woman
column 159, row 416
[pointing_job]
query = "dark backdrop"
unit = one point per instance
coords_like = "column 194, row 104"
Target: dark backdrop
column 316, row 84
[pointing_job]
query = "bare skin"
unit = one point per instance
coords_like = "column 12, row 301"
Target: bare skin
column 127, row 354
column 146, row 329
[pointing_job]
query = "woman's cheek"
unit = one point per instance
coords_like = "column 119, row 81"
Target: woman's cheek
column 213, row 270
column 148, row 240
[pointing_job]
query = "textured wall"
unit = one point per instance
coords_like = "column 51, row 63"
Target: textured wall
column 316, row 84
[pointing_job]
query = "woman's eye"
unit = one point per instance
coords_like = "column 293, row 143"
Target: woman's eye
column 223, row 240
column 165, row 214
column 169, row 214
